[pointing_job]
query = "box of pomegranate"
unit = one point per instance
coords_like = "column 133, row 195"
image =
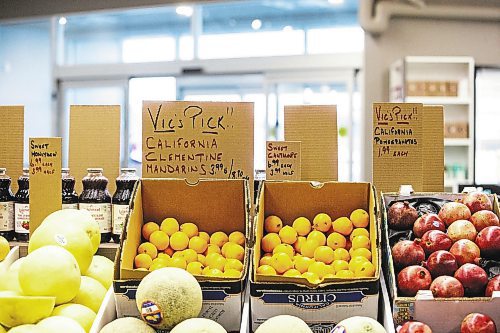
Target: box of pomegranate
column 202, row 229
column 316, row 253
column 441, row 257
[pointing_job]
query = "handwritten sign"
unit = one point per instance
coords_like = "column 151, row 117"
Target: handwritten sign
column 397, row 146
column 196, row 140
column 45, row 179
column 283, row 160
column 12, row 141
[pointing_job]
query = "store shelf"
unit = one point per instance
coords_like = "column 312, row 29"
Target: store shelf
column 457, row 142
column 437, row 100
column 107, row 250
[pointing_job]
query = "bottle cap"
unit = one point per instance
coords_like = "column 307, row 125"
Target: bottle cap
column 94, row 170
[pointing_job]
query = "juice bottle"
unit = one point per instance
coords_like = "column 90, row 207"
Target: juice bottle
column 22, row 207
column 6, row 206
column 69, row 195
column 96, row 199
column 121, row 199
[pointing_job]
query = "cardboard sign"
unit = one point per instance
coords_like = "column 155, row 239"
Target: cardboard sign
column 45, row 179
column 12, row 141
column 433, row 152
column 196, row 140
column 315, row 126
column 283, row 160
column 94, row 142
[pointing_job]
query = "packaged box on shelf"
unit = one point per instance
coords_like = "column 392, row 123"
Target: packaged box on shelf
column 456, row 129
column 424, row 307
column 213, row 205
column 335, row 299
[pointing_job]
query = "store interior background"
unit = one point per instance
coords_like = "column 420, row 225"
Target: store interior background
column 271, row 52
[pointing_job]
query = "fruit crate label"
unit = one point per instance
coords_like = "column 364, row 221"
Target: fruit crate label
column 12, row 141
column 22, row 218
column 283, row 160
column 7, row 216
column 101, row 212
column 196, row 140
column 45, row 178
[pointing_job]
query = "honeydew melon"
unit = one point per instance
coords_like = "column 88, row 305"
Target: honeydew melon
column 127, row 325
column 60, row 324
column 198, row 325
column 18, row 310
column 284, row 323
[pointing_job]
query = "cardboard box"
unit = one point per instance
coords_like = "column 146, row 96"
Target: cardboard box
column 214, row 205
column 325, row 305
column 12, row 142
column 424, row 307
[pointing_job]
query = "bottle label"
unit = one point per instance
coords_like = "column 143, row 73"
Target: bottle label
column 7, row 216
column 101, row 212
column 70, row 206
column 22, row 218
column 120, row 213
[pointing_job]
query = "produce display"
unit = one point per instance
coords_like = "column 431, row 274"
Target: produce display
column 49, row 288
column 317, row 250
column 183, row 246
column 472, row 323
column 445, row 247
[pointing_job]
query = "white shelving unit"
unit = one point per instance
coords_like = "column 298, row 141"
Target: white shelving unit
column 459, row 152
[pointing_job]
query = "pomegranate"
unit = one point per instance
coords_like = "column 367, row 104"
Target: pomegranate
column 483, row 219
column 401, row 216
column 493, row 285
column 414, row 327
column 453, row 211
column 473, row 278
column 462, row 229
column 406, row 253
column 412, row 279
column 465, row 251
column 447, row 286
column 477, row 323
column 488, row 241
column 435, row 240
column 441, row 263
column 477, row 201
column 427, row 222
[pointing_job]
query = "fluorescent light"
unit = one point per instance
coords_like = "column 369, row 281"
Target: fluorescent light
column 256, row 24
column 336, row 2
column 184, row 11
column 288, row 28
column 62, row 20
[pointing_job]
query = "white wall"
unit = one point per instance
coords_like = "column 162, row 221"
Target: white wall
column 407, row 37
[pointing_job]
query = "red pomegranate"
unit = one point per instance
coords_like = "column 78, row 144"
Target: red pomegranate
column 435, row 240
column 412, row 279
column 465, row 251
column 427, row 222
column 477, row 201
column 473, row 278
column 488, row 241
column 447, row 286
column 401, row 216
column 483, row 219
column 453, row 211
column 462, row 229
column 415, row 327
column 441, row 263
column 406, row 253
column 493, row 285
column 477, row 323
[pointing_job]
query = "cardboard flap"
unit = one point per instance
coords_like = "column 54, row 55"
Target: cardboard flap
column 94, row 142
column 45, row 179
column 316, row 127
column 12, row 141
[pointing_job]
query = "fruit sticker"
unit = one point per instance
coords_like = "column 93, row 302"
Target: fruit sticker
column 151, row 313
column 339, row 329
column 60, row 239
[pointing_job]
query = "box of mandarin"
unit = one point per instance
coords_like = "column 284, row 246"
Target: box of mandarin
column 200, row 227
column 316, row 253
column 442, row 258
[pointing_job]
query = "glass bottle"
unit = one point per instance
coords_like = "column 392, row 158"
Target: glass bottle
column 121, row 199
column 96, row 199
column 6, row 206
column 22, row 208
column 69, row 195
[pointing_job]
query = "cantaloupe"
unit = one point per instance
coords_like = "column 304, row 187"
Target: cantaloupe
column 168, row 296
column 198, row 325
column 127, row 325
column 359, row 324
column 284, row 323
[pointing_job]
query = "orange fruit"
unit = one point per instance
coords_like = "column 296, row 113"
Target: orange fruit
column 322, row 222
column 318, row 236
column 265, row 260
column 169, row 226
column 366, row 269
column 237, row 237
column 235, row 251
column 215, row 260
column 159, row 239
column 292, row 273
column 190, row 229
column 311, row 277
column 148, row 229
column 179, row 241
column 342, row 225
column 340, row 265
column 362, row 252
column 302, row 263
column 281, row 262
column 205, row 236
column 190, row 255
column 285, row 248
column 233, row 264
column 270, row 241
column 320, row 268
column 302, row 225
column 360, row 218
column 298, row 243
column 360, row 242
column 143, row 260
column 288, row 235
column 198, row 244
column 195, row 268
column 272, row 224
column 341, row 254
column 346, row 274
column 202, row 259
column 231, row 273
column 213, row 272
column 356, row 262
column 308, row 248
column 266, row 270
column 211, row 248
column 219, row 238
column 359, row 232
column 149, row 249
column 336, row 240
column 178, row 262
column 323, row 254
column 169, row 250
